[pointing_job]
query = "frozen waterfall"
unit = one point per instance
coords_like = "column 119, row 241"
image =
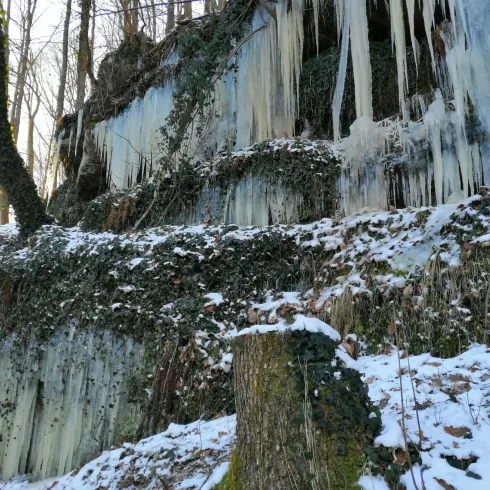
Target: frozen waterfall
column 63, row 402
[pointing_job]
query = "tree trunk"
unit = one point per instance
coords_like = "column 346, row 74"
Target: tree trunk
column 170, row 16
column 83, row 52
column 298, row 425
column 60, row 101
column 188, row 9
column 30, row 145
column 7, row 30
column 4, row 208
column 154, row 20
column 16, row 113
column 14, row 179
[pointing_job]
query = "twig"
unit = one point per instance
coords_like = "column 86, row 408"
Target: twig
column 403, row 408
column 485, row 321
column 233, row 51
column 269, row 9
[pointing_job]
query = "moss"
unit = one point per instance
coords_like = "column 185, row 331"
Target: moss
column 319, row 78
column 324, row 424
column 311, row 174
column 231, row 481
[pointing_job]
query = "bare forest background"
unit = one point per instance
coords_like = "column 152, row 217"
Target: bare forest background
column 53, row 53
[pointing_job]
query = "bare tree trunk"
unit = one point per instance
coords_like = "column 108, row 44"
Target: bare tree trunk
column 188, row 9
column 4, row 206
column 130, row 17
column 92, row 36
column 154, row 20
column 83, row 52
column 170, row 16
column 134, row 15
column 7, row 29
column 14, row 179
column 23, row 67
column 33, row 109
column 60, row 101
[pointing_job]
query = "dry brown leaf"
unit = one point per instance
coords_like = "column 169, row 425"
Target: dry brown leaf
column 456, row 378
column 435, row 364
column 456, row 431
column 391, row 329
column 350, row 348
column 444, row 484
column 401, row 456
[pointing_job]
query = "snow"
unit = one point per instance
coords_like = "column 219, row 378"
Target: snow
column 216, row 299
column 301, row 322
column 451, row 395
column 194, row 456
column 373, row 483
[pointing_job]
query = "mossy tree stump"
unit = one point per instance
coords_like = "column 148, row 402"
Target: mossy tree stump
column 304, row 418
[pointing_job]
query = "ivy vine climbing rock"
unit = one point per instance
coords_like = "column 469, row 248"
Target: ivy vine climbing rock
column 304, row 417
column 14, row 178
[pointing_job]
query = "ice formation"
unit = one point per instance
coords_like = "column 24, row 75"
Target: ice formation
column 439, row 153
column 258, row 102
column 253, row 200
column 63, row 402
column 440, row 160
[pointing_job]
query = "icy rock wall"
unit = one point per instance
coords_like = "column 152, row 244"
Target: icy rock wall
column 63, row 402
column 257, row 102
column 253, row 200
column 457, row 163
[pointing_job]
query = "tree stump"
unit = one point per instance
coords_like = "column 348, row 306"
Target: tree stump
column 303, row 417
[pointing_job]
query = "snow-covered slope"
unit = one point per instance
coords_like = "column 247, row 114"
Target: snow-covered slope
column 447, row 397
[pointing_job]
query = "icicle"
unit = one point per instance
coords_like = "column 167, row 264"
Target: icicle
column 433, row 120
column 79, row 128
column 411, row 22
column 290, row 42
column 340, row 12
column 360, row 57
column 428, row 14
column 340, row 87
column 398, row 40
column 65, row 400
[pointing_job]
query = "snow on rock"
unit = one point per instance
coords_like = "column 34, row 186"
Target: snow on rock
column 193, row 456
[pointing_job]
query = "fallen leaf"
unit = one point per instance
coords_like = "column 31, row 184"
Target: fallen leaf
column 435, row 364
column 456, row 431
column 401, row 456
column 444, row 484
column 456, row 378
